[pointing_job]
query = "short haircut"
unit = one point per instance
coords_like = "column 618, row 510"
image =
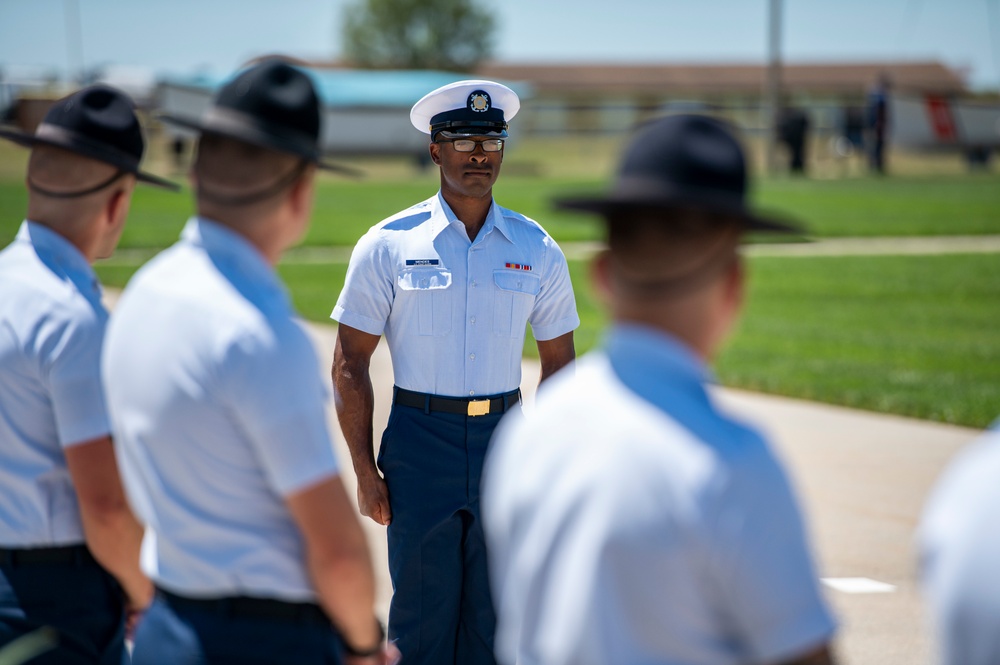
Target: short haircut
column 233, row 173
column 671, row 251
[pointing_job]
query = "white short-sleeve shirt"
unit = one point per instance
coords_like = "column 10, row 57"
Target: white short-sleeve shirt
column 52, row 324
column 630, row 522
column 217, row 406
column 454, row 311
column 959, row 543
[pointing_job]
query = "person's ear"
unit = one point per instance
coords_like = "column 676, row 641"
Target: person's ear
column 301, row 196
column 735, row 284
column 117, row 207
column 600, row 275
column 435, row 150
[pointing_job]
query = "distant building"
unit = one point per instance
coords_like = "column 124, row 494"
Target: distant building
column 603, row 98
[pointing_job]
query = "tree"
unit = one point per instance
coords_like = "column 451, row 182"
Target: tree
column 454, row 35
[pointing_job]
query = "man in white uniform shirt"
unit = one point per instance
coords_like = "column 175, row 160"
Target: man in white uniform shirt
column 451, row 282
column 628, row 520
column 216, row 398
column 61, row 500
column 959, row 543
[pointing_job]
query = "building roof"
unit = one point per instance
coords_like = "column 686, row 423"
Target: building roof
column 351, row 88
column 658, row 80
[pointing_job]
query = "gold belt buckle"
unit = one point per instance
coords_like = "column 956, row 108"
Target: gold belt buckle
column 479, row 407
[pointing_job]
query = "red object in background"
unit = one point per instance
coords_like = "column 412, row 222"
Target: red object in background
column 941, row 119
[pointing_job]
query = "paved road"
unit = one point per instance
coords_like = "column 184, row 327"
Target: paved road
column 862, row 476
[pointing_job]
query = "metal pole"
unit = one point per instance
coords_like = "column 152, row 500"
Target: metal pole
column 772, row 90
column 74, row 41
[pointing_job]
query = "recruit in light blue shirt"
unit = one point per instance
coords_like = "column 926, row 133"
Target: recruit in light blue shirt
column 453, row 310
column 218, row 408
column 960, row 549
column 629, row 521
column 51, row 327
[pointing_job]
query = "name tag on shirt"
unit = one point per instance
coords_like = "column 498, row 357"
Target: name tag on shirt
column 422, row 262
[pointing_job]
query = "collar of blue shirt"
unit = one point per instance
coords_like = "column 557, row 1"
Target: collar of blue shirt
column 655, row 364
column 494, row 220
column 61, row 257
column 237, row 259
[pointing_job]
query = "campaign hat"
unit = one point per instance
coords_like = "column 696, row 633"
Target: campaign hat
column 97, row 122
column 272, row 105
column 466, row 108
column 681, row 161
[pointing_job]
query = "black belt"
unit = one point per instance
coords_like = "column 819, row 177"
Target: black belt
column 465, row 406
column 76, row 555
column 247, row 607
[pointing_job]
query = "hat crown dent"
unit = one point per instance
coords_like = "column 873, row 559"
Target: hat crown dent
column 687, row 151
column 277, row 94
column 100, row 114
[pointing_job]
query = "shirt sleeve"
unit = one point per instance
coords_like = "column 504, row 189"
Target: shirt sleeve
column 366, row 299
column 74, row 380
column 281, row 404
column 769, row 588
column 555, row 307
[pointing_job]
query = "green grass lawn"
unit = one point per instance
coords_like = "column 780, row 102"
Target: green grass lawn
column 913, row 335
column 344, row 210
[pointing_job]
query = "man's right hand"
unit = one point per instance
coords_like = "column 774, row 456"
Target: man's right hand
column 373, row 499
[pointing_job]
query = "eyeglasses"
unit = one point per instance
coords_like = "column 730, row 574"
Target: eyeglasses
column 468, row 145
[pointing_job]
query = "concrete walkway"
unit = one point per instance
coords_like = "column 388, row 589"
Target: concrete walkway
column 862, row 477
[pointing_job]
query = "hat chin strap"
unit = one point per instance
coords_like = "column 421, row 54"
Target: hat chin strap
column 35, row 187
column 237, row 200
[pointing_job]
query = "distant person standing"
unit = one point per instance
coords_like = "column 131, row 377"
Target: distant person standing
column 793, row 131
column 67, row 536
column 452, row 282
column 877, row 116
column 629, row 520
column 217, row 400
column 959, row 542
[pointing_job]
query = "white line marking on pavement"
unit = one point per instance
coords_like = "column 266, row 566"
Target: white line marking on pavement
column 858, row 585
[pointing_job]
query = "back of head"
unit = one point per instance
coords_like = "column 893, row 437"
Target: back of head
column 67, row 189
column 236, row 178
column 669, row 254
column 675, row 217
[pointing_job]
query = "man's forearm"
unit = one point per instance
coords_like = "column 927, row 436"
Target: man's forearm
column 114, row 538
column 355, row 401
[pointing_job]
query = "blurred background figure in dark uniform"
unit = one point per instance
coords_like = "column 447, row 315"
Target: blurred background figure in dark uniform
column 877, row 120
column 793, row 130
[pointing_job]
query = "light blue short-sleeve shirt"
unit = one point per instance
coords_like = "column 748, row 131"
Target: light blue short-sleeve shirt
column 218, row 409
column 52, row 324
column 959, row 542
column 628, row 521
column 453, row 310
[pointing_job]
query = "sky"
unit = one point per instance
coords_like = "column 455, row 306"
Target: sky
column 217, row 36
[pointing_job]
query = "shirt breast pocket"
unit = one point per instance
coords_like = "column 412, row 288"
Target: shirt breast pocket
column 425, row 297
column 513, row 301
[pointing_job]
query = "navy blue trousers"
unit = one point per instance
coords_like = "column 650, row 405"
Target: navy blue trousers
column 173, row 635
column 80, row 600
column 441, row 611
